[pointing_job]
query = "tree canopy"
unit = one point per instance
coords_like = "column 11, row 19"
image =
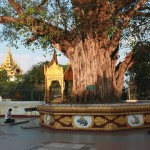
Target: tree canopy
column 3, row 80
column 59, row 22
column 6, row 86
column 140, row 71
column 35, row 75
column 88, row 32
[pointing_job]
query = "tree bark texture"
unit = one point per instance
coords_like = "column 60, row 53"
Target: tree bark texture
column 92, row 66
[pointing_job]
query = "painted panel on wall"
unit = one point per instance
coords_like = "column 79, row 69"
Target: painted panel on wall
column 135, row 120
column 82, row 121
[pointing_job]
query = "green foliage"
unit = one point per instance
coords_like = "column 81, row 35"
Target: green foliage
column 141, row 69
column 3, row 76
column 139, row 30
column 29, row 86
column 82, row 19
column 6, row 85
column 35, row 75
column 4, row 82
column 48, row 13
column 112, row 31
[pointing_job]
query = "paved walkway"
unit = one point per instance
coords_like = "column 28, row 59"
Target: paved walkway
column 42, row 138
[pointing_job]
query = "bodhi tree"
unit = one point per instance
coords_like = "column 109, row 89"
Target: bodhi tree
column 88, row 32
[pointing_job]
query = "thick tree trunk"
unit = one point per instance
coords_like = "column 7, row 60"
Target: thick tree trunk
column 93, row 73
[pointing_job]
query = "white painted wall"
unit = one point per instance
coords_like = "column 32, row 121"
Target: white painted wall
column 19, row 106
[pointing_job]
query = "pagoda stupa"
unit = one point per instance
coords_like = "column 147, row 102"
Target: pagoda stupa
column 10, row 66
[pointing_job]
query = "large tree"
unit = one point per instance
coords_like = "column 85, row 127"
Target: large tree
column 88, row 32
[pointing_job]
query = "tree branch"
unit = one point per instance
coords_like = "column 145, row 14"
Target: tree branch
column 32, row 39
column 38, row 30
column 16, row 6
column 61, row 12
column 7, row 19
column 142, row 14
column 114, row 42
column 42, row 3
column 122, row 67
column 130, row 13
column 123, row 4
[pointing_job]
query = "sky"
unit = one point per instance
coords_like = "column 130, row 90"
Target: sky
column 26, row 58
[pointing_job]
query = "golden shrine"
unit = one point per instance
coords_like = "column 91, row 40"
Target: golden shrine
column 54, row 72
column 87, row 117
column 10, row 66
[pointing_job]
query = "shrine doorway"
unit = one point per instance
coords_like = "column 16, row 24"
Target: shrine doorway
column 55, row 91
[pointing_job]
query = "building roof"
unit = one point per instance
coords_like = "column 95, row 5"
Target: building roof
column 68, row 74
column 54, row 59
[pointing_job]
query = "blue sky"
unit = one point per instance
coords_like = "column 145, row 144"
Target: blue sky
column 26, row 58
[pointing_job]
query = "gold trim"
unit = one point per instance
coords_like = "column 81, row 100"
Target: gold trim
column 99, row 121
column 96, row 109
column 42, row 118
column 147, row 118
column 52, row 120
column 65, row 120
column 110, row 117
column 57, row 125
column 57, row 116
column 111, row 126
column 120, row 120
column 97, row 114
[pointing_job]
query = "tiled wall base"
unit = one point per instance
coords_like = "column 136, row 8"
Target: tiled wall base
column 95, row 117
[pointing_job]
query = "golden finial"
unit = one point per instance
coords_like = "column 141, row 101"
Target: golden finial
column 8, row 49
column 55, row 56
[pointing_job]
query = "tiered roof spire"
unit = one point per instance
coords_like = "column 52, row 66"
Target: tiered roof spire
column 10, row 66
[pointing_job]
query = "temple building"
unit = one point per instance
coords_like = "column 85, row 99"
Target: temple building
column 58, row 81
column 11, row 67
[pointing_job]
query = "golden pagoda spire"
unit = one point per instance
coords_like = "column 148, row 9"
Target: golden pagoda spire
column 9, row 49
column 10, row 66
column 54, row 59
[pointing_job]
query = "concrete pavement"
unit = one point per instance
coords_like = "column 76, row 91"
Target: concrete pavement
column 42, row 138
